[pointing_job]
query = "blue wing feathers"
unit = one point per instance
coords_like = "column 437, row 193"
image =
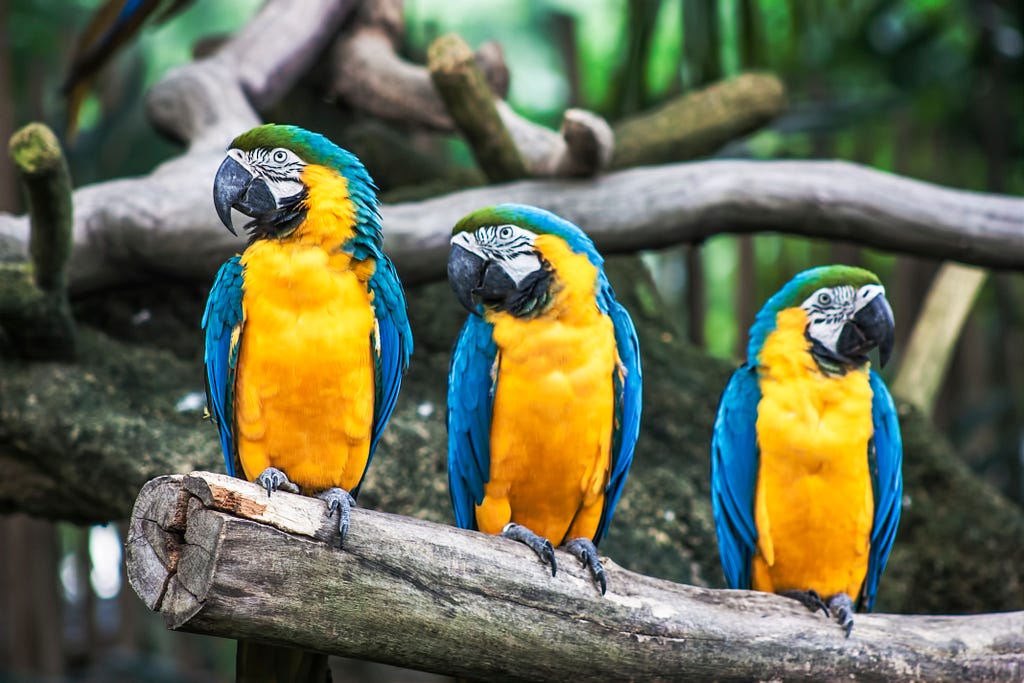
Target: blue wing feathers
column 471, row 385
column 222, row 316
column 734, row 463
column 392, row 347
column 628, row 382
column 886, row 462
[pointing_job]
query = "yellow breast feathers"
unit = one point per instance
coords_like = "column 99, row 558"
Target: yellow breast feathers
column 553, row 411
column 814, row 502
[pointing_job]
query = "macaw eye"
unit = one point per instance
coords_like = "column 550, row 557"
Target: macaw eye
column 280, row 156
column 505, row 232
column 824, row 298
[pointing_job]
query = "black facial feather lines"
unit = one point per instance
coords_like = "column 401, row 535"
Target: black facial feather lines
column 503, row 242
column 276, row 164
column 831, row 305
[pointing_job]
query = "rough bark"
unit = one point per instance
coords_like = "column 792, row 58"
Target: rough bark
column 216, row 555
column 162, row 226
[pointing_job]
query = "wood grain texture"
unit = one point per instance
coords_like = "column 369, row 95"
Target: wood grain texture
column 143, row 229
column 214, row 555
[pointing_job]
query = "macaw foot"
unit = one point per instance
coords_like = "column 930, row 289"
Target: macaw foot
column 584, row 550
column 340, row 500
column 843, row 609
column 273, row 479
column 539, row 544
column 810, row 599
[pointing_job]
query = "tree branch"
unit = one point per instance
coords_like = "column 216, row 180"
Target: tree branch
column 471, row 104
column 163, row 225
column 35, row 318
column 216, row 556
column 924, row 364
column 369, row 76
column 699, row 122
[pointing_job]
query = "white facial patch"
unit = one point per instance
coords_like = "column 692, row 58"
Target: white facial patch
column 866, row 295
column 279, row 168
column 827, row 310
column 510, row 246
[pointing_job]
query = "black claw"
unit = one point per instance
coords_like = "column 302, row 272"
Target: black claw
column 843, row 607
column 584, row 550
column 273, row 479
column 810, row 599
column 540, row 545
column 341, row 501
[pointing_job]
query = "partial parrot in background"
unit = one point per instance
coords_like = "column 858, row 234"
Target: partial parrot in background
column 544, row 385
column 111, row 27
column 806, row 474
column 307, row 335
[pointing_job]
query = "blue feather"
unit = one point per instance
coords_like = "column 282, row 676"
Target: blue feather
column 886, row 463
column 471, row 387
column 392, row 348
column 475, row 371
column 734, row 467
column 628, row 383
column 222, row 316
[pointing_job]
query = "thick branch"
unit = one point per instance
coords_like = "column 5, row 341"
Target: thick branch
column 698, row 123
column 469, row 101
column 215, row 555
column 132, row 230
column 209, row 101
column 370, row 76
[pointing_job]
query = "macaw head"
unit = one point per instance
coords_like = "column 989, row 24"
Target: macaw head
column 277, row 174
column 846, row 311
column 505, row 257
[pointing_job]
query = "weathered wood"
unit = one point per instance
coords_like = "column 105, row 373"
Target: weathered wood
column 136, row 230
column 215, row 555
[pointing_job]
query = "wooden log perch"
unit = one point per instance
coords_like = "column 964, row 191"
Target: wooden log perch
column 216, row 555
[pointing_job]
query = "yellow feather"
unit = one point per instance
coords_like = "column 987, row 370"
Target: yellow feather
column 814, row 504
column 553, row 409
column 304, row 393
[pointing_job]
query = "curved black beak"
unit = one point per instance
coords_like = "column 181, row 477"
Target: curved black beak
column 235, row 187
column 475, row 279
column 465, row 270
column 872, row 326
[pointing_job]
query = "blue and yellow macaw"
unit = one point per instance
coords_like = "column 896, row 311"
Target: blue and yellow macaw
column 307, row 336
column 112, row 25
column 806, row 456
column 544, row 387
